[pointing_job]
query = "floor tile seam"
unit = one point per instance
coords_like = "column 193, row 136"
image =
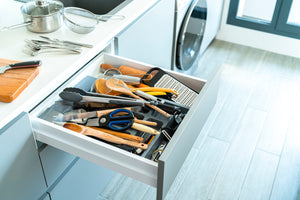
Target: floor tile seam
column 254, row 149
column 211, row 189
column 280, row 157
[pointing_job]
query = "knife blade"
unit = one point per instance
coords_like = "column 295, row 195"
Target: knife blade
column 26, row 64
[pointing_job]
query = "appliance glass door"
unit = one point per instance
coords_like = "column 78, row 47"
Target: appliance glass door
column 190, row 36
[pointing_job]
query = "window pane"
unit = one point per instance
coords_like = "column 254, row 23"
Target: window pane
column 257, row 10
column 294, row 15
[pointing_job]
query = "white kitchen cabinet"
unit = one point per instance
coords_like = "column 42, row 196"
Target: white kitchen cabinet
column 47, row 197
column 159, row 174
column 150, row 38
column 85, row 180
column 21, row 175
column 54, row 162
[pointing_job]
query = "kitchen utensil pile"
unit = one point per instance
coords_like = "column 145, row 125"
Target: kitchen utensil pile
column 124, row 112
column 53, row 45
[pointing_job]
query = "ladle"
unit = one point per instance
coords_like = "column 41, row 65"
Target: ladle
column 102, row 135
column 121, row 87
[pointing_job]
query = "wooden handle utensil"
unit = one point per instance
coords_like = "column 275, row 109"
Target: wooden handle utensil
column 119, row 134
column 102, row 135
column 105, row 66
column 143, row 128
column 125, row 70
column 145, row 122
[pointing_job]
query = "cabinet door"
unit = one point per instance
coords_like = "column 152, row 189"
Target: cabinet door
column 47, row 197
column 21, row 175
column 54, row 162
column 85, row 180
column 150, row 38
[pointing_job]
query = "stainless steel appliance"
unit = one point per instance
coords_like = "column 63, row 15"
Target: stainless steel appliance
column 196, row 25
column 190, row 24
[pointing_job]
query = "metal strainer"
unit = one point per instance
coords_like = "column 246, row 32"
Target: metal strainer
column 84, row 21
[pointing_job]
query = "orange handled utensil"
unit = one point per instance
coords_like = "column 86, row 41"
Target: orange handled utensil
column 119, row 134
column 102, row 135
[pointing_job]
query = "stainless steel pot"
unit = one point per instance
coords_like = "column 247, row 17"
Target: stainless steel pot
column 44, row 16
column 40, row 16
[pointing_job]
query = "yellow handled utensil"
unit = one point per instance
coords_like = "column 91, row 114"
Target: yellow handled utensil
column 155, row 89
column 119, row 86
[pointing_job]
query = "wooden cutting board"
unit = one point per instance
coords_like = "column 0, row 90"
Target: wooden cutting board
column 13, row 82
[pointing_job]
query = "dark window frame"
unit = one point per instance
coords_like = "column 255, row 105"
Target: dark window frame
column 277, row 26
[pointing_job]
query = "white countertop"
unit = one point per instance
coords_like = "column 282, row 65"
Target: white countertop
column 55, row 68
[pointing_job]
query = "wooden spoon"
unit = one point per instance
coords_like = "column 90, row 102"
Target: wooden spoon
column 119, row 86
column 102, row 135
column 100, row 87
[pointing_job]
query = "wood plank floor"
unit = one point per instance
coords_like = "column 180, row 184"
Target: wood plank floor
column 251, row 148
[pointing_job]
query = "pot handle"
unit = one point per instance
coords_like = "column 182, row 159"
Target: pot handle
column 5, row 28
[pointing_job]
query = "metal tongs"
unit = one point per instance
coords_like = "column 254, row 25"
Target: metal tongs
column 78, row 95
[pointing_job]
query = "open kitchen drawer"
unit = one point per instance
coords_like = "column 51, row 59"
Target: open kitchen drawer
column 159, row 174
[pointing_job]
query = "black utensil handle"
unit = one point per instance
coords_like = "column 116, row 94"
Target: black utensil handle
column 34, row 63
column 128, row 103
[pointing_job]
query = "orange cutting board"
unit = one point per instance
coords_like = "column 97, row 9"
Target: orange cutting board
column 13, row 82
